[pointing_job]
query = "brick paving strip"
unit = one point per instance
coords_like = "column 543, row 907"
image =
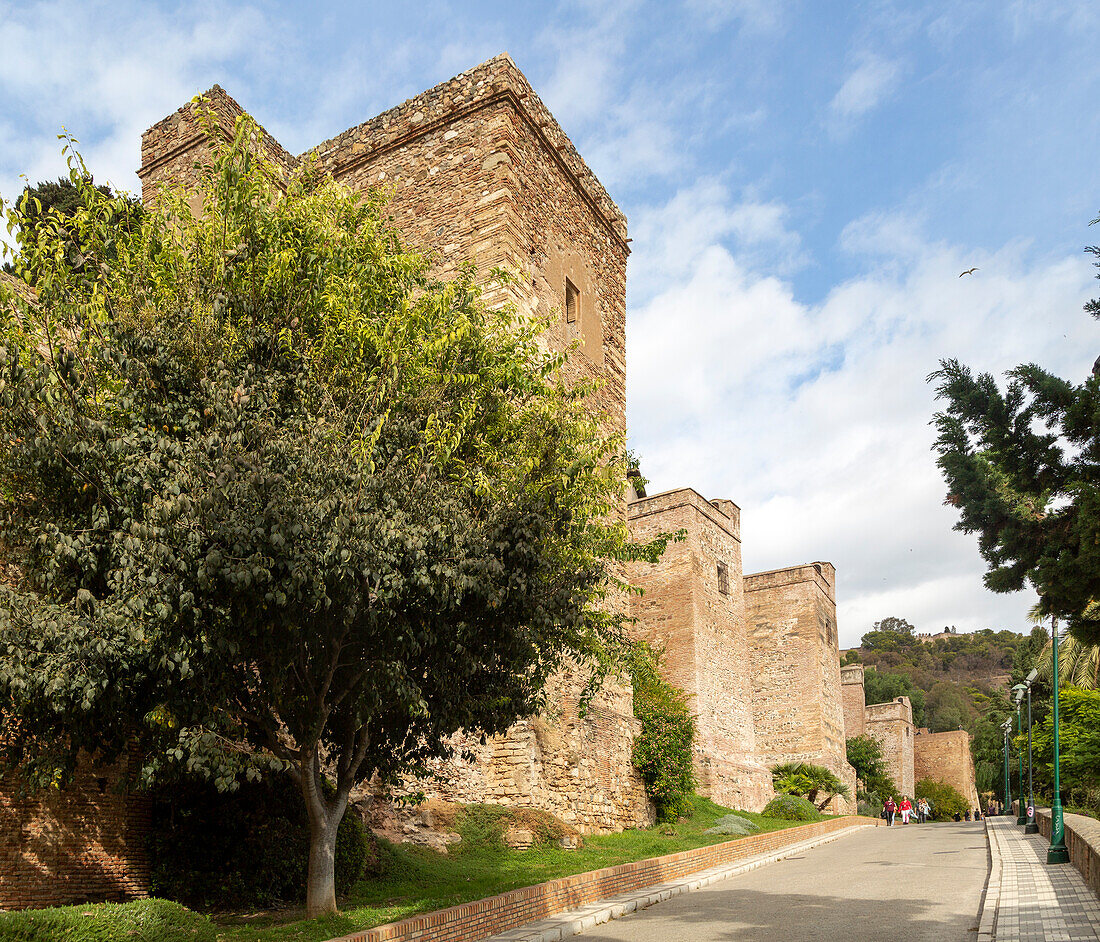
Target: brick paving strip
column 569, row 905
column 1026, row 900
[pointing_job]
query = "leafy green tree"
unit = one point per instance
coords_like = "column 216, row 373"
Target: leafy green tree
column 890, row 634
column 884, row 686
column 54, row 204
column 809, row 781
column 1022, row 466
column 864, row 754
column 283, row 501
column 1079, row 748
column 946, row 800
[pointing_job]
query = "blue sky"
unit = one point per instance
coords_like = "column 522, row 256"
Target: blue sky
column 804, row 182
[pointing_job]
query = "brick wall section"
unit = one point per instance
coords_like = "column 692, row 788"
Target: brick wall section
column 891, row 725
column 83, row 843
column 798, row 712
column 1082, row 842
column 478, row 170
column 945, row 757
column 701, row 630
column 853, row 698
column 477, row 920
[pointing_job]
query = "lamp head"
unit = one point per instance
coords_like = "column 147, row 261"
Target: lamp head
column 1031, row 677
column 1020, row 688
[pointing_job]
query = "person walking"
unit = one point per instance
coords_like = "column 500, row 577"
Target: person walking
column 906, row 809
column 890, row 808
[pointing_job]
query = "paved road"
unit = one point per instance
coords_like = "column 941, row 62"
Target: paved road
column 900, row 884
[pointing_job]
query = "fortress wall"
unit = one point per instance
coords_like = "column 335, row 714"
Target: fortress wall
column 891, row 725
column 699, row 624
column 172, row 147
column 477, row 169
column 853, row 699
column 945, row 757
column 798, row 712
column 578, row 768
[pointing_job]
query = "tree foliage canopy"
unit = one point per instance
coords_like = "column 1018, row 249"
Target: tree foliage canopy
column 1022, row 465
column 864, row 754
column 282, row 499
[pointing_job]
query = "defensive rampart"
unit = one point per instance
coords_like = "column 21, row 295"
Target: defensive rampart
column 797, row 705
column 891, row 724
column 693, row 610
column 945, row 757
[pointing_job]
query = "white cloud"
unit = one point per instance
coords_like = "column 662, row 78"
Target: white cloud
column 871, row 83
column 814, row 418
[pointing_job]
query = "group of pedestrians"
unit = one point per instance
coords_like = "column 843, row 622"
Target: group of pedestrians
column 918, row 814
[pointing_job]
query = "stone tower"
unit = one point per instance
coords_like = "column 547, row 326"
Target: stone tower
column 693, row 608
column 891, row 724
column 792, row 633
column 477, row 170
column 854, row 699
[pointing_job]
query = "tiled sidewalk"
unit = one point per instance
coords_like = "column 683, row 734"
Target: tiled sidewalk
column 1029, row 901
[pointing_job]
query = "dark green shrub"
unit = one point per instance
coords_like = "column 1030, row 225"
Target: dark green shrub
column 945, row 800
column 663, row 751
column 142, row 919
column 241, row 849
column 791, row 808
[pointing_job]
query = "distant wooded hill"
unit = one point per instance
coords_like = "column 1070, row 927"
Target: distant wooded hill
column 952, row 682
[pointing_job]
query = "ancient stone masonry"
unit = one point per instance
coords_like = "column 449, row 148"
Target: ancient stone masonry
column 945, row 757
column 796, row 669
column 891, row 724
column 853, row 699
column 693, row 609
column 477, row 170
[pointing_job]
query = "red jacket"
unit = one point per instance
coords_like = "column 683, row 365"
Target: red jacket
column 905, row 805
column 890, row 806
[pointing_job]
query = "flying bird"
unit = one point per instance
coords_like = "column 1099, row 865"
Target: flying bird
column 969, row 271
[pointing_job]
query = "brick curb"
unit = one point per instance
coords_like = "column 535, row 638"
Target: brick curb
column 636, row 884
column 581, row 920
column 992, row 894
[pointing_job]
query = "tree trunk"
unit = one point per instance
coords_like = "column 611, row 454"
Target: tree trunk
column 321, row 880
column 324, row 821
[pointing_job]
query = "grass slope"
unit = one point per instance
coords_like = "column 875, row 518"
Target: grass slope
column 418, row 880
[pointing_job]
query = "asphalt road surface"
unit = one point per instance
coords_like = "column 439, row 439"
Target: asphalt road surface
column 899, row 884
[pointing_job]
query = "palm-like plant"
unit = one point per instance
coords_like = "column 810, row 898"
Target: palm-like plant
column 1078, row 662
column 808, row 781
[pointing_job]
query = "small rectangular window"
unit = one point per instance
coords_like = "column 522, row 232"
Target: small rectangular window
column 572, row 302
column 723, row 579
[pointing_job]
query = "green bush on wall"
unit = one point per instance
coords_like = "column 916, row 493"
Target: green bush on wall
column 245, row 848
column 663, row 751
column 946, row 801
column 791, row 808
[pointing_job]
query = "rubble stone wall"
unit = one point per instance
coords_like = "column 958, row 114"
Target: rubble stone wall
column 891, row 725
column 945, row 757
column 797, row 704
column 698, row 622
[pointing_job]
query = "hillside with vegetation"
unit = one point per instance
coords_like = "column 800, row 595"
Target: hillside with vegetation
column 961, row 681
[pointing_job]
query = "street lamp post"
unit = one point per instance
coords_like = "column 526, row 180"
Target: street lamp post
column 1032, row 826
column 1006, row 807
column 1021, row 818
column 1057, row 854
